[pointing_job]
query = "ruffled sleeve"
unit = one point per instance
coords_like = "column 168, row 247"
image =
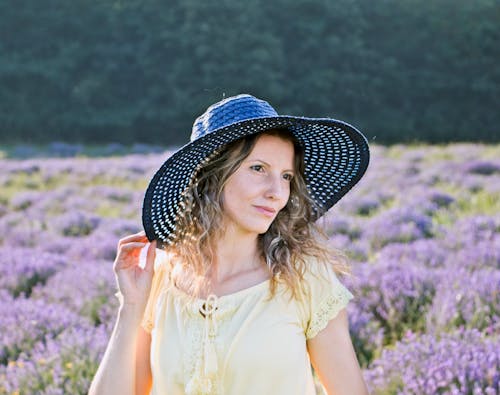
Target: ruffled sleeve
column 323, row 298
column 160, row 278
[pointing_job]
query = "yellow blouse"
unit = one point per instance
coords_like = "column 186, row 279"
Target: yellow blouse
column 240, row 343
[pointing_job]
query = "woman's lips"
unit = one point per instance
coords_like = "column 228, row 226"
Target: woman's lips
column 267, row 211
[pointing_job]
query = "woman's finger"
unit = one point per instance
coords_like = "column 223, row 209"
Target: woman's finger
column 132, row 246
column 134, row 237
column 150, row 257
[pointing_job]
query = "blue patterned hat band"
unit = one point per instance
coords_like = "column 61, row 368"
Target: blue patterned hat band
column 229, row 111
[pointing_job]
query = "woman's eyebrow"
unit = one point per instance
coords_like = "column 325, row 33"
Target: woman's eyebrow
column 265, row 163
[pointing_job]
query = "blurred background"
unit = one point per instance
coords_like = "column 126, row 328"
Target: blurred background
column 139, row 72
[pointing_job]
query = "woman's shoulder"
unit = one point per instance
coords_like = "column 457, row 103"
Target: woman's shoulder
column 316, row 270
column 321, row 278
column 324, row 295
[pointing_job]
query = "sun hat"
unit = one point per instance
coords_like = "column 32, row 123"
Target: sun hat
column 336, row 155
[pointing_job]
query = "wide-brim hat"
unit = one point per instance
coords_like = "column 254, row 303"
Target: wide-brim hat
column 336, row 156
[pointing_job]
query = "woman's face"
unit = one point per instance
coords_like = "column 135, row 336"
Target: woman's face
column 256, row 192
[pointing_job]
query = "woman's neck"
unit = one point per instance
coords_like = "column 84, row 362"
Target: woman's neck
column 235, row 255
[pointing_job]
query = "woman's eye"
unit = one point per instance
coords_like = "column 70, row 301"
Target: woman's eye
column 288, row 176
column 257, row 168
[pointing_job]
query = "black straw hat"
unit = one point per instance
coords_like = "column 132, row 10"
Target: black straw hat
column 336, row 156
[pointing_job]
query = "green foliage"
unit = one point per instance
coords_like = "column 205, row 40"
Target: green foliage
column 92, row 307
column 127, row 71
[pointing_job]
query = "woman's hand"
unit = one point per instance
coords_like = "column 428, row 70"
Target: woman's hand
column 134, row 283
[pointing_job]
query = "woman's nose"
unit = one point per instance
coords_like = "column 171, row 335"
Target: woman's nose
column 275, row 188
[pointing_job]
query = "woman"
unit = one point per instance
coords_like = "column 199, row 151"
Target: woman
column 244, row 296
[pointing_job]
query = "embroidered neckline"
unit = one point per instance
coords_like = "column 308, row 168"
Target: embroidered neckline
column 202, row 376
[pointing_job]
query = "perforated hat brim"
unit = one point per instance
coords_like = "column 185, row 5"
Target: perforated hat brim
column 336, row 156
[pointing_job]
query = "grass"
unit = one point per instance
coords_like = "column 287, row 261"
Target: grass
column 478, row 203
column 108, row 210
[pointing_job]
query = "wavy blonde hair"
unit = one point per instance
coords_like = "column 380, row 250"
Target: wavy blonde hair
column 292, row 239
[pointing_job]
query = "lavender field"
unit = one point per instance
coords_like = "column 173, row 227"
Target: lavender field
column 422, row 230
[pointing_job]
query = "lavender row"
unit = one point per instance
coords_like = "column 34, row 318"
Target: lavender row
column 422, row 230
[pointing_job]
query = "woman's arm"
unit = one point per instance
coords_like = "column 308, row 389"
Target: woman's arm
column 124, row 368
column 143, row 375
column 334, row 360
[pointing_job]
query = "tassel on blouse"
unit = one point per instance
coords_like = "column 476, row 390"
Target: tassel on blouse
column 204, row 382
column 209, row 354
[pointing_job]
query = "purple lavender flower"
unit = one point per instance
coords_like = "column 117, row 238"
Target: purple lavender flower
column 423, row 252
column 470, row 230
column 420, row 264
column 463, row 362
column 357, row 250
column 22, row 268
column 396, row 295
column 476, row 255
column 113, row 194
column 3, row 209
column 338, row 223
column 486, row 168
column 365, row 205
column 64, row 364
column 119, row 227
column 20, row 167
column 84, row 288
column 397, row 225
column 367, row 335
column 23, row 200
column 425, row 201
column 466, row 299
column 26, row 321
column 76, row 223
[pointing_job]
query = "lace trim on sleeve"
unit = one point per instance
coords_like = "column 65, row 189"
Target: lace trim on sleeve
column 328, row 309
